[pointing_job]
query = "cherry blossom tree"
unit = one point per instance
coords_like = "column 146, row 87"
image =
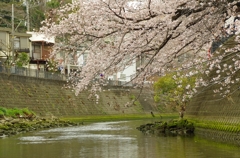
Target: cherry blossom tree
column 116, row 33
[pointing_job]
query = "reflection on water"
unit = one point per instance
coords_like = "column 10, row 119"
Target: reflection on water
column 109, row 140
column 90, row 132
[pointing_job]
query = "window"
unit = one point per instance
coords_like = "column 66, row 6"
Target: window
column 37, row 51
column 16, row 43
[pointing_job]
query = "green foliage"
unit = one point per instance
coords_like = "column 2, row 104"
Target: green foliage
column 3, row 110
column 14, row 112
column 132, row 97
column 182, row 123
column 37, row 12
column 36, row 17
column 165, row 84
column 6, row 14
column 163, row 88
column 53, row 4
column 170, row 90
column 26, row 111
column 22, row 59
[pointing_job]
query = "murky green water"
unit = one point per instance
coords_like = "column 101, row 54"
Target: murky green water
column 109, row 140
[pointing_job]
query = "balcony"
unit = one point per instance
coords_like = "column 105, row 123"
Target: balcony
column 25, row 50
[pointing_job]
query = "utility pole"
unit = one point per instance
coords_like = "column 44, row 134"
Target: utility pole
column 27, row 9
column 13, row 57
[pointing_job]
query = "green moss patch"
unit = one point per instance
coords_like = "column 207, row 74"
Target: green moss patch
column 173, row 127
column 235, row 128
column 94, row 118
column 15, row 112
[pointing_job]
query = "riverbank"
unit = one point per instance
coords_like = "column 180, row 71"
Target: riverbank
column 10, row 126
column 122, row 117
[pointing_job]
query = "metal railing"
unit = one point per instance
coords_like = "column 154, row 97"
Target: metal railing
column 22, row 71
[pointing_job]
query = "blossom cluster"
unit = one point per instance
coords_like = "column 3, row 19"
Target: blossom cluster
column 114, row 34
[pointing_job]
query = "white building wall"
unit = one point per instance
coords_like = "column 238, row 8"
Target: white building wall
column 125, row 75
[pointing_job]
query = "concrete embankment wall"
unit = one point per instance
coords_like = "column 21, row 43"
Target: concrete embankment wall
column 217, row 117
column 48, row 96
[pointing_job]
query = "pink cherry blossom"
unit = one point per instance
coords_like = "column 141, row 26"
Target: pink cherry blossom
column 154, row 34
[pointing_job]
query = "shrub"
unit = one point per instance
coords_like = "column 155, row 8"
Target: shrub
column 3, row 110
column 14, row 112
column 171, row 90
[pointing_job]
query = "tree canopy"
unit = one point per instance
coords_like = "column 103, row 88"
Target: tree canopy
column 172, row 91
column 117, row 33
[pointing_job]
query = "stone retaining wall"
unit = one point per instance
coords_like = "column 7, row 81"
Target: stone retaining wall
column 48, row 96
column 219, row 118
column 219, row 136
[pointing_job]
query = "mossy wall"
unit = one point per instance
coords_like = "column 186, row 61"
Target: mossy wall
column 48, row 96
column 216, row 117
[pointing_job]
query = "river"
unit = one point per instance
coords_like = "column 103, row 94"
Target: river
column 109, row 140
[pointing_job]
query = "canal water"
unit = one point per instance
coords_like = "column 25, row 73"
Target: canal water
column 110, row 140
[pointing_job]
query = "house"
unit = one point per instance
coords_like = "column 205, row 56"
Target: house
column 20, row 43
column 36, row 45
column 40, row 50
